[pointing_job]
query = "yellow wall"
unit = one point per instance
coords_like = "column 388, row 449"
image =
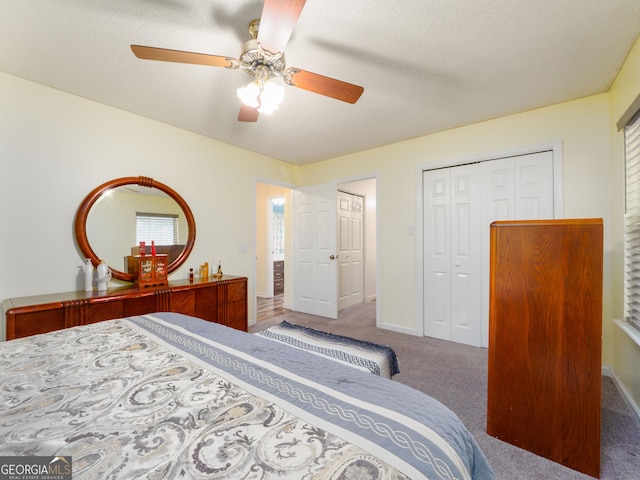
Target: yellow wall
column 581, row 126
column 593, row 186
column 55, row 147
column 625, row 358
column 62, row 146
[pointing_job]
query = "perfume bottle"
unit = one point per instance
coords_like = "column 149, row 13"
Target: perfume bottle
column 88, row 275
column 104, row 275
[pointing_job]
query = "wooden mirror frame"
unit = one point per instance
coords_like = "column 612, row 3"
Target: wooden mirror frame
column 94, row 196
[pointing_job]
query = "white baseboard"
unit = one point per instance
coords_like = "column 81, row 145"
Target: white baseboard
column 608, row 372
column 396, row 328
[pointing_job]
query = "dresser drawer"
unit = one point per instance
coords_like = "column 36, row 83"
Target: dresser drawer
column 278, row 277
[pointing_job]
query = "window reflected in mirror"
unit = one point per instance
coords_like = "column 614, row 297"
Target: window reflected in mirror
column 277, row 227
column 163, row 228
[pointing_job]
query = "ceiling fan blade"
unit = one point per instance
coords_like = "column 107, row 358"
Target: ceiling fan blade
column 313, row 82
column 166, row 55
column 277, row 22
column 247, row 114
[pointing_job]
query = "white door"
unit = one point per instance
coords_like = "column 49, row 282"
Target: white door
column 466, row 255
column 350, row 249
column 513, row 188
column 453, row 283
column 459, row 205
column 436, row 185
column 315, row 263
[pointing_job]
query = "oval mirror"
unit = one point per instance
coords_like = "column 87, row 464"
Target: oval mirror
column 105, row 224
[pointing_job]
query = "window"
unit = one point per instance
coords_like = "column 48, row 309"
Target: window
column 632, row 219
column 162, row 228
column 278, row 225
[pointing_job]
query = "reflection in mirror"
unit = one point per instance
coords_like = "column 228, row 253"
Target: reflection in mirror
column 277, row 228
column 111, row 223
column 106, row 224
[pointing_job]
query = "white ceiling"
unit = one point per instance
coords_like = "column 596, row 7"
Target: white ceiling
column 426, row 66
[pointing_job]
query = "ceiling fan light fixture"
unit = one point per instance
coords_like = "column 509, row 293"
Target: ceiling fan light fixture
column 249, row 94
column 262, row 94
column 271, row 97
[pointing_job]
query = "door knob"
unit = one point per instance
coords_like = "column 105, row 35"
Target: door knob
column 331, row 257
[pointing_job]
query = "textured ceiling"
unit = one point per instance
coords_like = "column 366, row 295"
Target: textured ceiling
column 426, row 66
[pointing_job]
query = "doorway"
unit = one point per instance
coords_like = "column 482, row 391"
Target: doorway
column 273, row 246
column 365, row 189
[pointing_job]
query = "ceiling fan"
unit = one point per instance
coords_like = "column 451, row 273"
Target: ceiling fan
column 263, row 58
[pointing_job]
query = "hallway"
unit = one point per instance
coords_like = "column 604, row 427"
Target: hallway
column 270, row 307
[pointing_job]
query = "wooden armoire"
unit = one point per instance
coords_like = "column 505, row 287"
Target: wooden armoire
column 545, row 339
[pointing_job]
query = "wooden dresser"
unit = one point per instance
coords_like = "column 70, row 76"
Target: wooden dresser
column 545, row 339
column 278, row 277
column 220, row 300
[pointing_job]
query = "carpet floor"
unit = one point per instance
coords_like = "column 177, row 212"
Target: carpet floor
column 456, row 375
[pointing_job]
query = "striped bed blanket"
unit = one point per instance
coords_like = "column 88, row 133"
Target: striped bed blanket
column 378, row 359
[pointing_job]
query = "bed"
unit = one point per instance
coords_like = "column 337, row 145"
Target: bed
column 168, row 396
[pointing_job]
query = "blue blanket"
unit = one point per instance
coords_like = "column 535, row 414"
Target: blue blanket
column 372, row 357
column 399, row 424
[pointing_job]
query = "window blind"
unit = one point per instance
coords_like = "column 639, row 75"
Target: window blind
column 162, row 228
column 632, row 220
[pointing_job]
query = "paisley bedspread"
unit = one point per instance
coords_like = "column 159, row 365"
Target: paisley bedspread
column 167, row 396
